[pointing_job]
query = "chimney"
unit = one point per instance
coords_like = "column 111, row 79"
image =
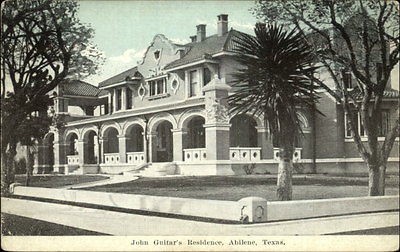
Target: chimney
column 222, row 25
column 193, row 38
column 201, row 32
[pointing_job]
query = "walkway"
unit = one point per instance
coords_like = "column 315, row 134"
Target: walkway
column 121, row 224
column 114, row 179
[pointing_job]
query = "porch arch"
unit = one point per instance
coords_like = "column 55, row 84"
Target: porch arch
column 188, row 115
column 243, row 131
column 159, row 118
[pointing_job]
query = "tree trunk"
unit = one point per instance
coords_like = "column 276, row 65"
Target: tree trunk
column 374, row 179
column 4, row 172
column 285, row 169
column 382, row 182
column 29, row 165
column 8, row 168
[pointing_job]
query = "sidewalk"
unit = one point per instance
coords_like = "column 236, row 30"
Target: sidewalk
column 114, row 179
column 121, row 224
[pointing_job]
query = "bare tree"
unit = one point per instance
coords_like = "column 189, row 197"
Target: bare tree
column 42, row 43
column 361, row 37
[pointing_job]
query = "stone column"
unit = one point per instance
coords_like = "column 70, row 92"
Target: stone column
column 123, row 98
column 179, row 143
column 115, row 100
column 81, row 151
column 40, row 159
column 110, row 103
column 145, row 147
column 103, row 143
column 122, row 148
column 217, row 126
column 265, row 144
column 152, row 137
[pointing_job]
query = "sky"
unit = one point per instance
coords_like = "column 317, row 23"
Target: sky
column 124, row 29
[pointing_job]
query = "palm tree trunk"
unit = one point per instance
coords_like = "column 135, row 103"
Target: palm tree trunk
column 285, row 170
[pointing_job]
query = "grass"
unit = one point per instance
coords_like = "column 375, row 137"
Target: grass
column 237, row 187
column 51, row 181
column 18, row 225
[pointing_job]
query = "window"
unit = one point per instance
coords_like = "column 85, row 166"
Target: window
column 347, row 80
column 384, row 125
column 104, row 109
column 357, row 124
column 158, row 87
column 157, row 54
column 129, row 100
column 119, row 99
column 207, row 76
column 194, row 82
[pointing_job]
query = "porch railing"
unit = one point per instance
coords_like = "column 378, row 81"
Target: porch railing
column 135, row 157
column 73, row 160
column 245, row 153
column 111, row 158
column 194, row 155
column 296, row 154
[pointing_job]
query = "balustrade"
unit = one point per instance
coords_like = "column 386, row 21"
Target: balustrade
column 194, row 155
column 73, row 160
column 135, row 157
column 296, row 154
column 245, row 153
column 111, row 158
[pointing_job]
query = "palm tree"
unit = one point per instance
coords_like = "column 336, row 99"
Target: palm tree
column 275, row 81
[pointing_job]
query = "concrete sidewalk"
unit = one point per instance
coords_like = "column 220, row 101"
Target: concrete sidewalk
column 117, row 223
column 113, row 179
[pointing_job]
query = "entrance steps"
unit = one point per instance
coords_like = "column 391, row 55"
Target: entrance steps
column 154, row 170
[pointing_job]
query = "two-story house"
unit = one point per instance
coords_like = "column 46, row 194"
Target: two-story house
column 169, row 115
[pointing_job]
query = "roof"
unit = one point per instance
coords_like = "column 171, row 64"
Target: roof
column 388, row 93
column 210, row 45
column 126, row 75
column 79, row 88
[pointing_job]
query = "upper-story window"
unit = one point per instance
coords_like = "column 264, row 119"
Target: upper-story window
column 158, row 87
column 104, row 109
column 383, row 125
column 347, row 79
column 193, row 83
column 357, row 122
column 118, row 99
column 206, row 76
column 129, row 98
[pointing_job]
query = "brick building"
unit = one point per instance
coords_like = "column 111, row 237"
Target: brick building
column 168, row 115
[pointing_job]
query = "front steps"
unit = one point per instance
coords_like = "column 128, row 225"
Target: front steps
column 153, row 170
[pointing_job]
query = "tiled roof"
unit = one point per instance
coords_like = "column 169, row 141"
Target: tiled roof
column 210, row 45
column 388, row 93
column 78, row 88
column 130, row 73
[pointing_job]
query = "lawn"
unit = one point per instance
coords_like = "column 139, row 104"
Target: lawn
column 237, row 187
column 52, row 181
column 18, row 225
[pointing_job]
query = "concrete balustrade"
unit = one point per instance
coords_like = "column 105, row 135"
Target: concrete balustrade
column 195, row 155
column 111, row 158
column 245, row 153
column 73, row 160
column 296, row 154
column 135, row 157
column 252, row 209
